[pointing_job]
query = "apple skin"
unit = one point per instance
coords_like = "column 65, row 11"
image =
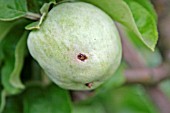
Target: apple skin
column 78, row 46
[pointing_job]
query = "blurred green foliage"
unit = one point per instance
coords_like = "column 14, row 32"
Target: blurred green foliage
column 23, row 87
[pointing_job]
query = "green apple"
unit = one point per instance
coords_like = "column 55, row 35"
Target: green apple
column 78, row 46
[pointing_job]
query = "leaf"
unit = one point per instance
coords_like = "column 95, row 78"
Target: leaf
column 44, row 11
column 12, row 9
column 4, row 28
column 49, row 100
column 3, row 100
column 119, row 11
column 93, row 107
column 46, row 6
column 145, row 20
column 8, row 47
column 13, row 105
column 136, row 99
column 19, row 60
column 127, row 99
column 148, row 6
column 35, row 5
column 5, row 75
column 35, row 25
column 19, row 55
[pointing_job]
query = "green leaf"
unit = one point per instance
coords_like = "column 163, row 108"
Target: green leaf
column 5, row 75
column 93, row 107
column 8, row 45
column 145, row 19
column 49, row 100
column 12, row 9
column 127, row 99
column 35, row 5
column 44, row 11
column 3, row 100
column 120, row 12
column 35, row 25
column 13, row 105
column 4, row 28
column 148, row 6
column 19, row 60
column 46, row 6
column 136, row 99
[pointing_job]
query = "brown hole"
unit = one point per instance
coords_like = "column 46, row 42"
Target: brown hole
column 82, row 57
column 90, row 84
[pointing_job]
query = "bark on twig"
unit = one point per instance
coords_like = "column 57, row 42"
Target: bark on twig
column 32, row 16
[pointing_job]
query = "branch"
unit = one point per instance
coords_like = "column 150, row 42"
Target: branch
column 133, row 58
column 148, row 76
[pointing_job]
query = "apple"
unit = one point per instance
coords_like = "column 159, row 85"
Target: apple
column 78, row 46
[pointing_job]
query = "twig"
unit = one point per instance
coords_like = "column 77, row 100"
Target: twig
column 148, row 76
column 32, row 16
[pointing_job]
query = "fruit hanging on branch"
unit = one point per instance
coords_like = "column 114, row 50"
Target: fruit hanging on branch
column 78, row 46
